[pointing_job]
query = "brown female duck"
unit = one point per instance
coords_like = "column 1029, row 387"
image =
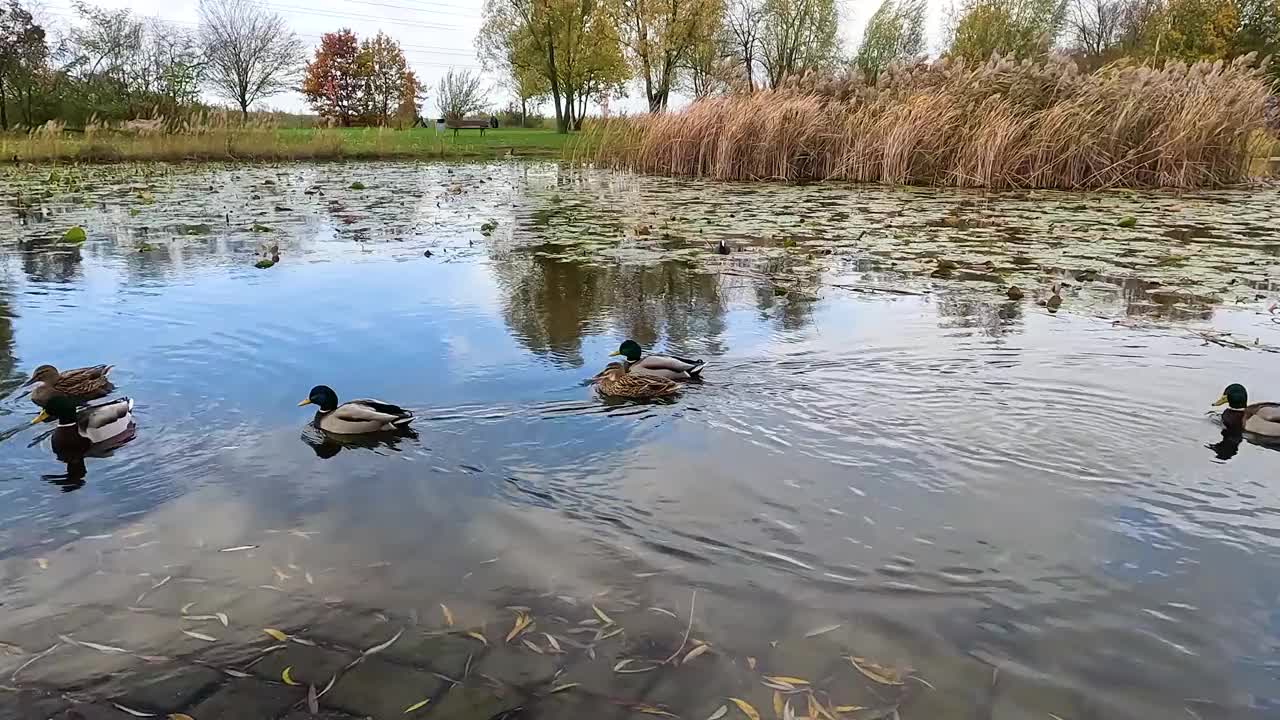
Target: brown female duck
column 615, row 381
column 80, row 384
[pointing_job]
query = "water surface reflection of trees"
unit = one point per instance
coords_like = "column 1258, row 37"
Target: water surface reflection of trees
column 551, row 304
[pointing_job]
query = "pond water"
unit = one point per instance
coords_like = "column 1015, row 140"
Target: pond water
column 1033, row 510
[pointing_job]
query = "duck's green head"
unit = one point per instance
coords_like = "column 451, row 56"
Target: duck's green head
column 1234, row 396
column 323, row 397
column 629, row 349
column 60, row 407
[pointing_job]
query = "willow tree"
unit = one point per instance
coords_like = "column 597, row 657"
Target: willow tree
column 661, row 35
column 568, row 42
column 894, row 32
column 798, row 36
column 1022, row 28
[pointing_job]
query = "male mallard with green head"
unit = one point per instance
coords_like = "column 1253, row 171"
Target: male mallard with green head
column 80, row 384
column 355, row 417
column 83, row 430
column 1259, row 418
column 663, row 366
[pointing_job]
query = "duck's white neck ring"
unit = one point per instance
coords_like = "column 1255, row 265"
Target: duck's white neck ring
column 70, row 424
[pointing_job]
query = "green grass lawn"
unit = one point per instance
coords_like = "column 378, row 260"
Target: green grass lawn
column 378, row 142
column 285, row 144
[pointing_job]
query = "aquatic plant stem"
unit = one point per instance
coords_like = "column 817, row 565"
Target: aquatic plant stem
column 693, row 602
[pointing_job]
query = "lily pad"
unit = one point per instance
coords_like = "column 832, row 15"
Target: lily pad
column 74, row 235
column 1127, row 221
column 264, row 263
column 197, row 229
column 260, row 228
column 357, row 185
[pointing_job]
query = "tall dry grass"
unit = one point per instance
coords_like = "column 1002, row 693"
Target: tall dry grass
column 193, row 136
column 1000, row 124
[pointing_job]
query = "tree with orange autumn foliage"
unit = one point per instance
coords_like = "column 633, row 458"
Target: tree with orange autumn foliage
column 352, row 82
column 332, row 82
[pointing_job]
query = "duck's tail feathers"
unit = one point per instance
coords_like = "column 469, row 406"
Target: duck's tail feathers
column 698, row 366
column 402, row 421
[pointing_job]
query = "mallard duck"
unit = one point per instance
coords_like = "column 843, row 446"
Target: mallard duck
column 84, row 430
column 1259, row 418
column 616, row 381
column 1055, row 300
column 664, row 366
column 81, row 384
column 354, row 417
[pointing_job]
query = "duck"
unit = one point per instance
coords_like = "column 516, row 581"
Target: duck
column 616, row 381
column 82, row 431
column 1259, row 418
column 355, row 417
column 81, row 384
column 663, row 366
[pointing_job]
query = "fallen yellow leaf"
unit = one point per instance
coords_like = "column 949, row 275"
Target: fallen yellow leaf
column 417, row 705
column 286, row 677
column 878, row 673
column 651, row 710
column 43, row 563
column 603, row 617
column 448, row 615
column 786, row 680
column 695, row 653
column 521, row 624
column 276, row 634
column 777, row 703
column 179, row 716
column 478, row 636
column 746, row 708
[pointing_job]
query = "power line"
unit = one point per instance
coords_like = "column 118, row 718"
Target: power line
column 309, row 11
column 408, row 48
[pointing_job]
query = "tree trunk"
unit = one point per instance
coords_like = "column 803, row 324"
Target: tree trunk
column 569, row 111
column 244, row 112
column 4, row 115
column 582, row 112
column 524, row 112
column 562, row 126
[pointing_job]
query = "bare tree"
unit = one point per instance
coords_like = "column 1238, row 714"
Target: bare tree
column 252, row 53
column 460, row 93
column 1095, row 26
column 742, row 20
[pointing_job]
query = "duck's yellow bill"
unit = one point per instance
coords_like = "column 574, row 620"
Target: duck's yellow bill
column 305, row 402
column 1221, row 401
column 615, row 353
column 40, row 418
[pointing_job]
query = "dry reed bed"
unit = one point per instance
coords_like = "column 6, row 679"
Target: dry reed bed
column 221, row 145
column 998, row 125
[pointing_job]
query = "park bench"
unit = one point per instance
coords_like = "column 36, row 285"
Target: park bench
column 456, row 125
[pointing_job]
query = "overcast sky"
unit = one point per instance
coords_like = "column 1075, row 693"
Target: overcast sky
column 435, row 34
